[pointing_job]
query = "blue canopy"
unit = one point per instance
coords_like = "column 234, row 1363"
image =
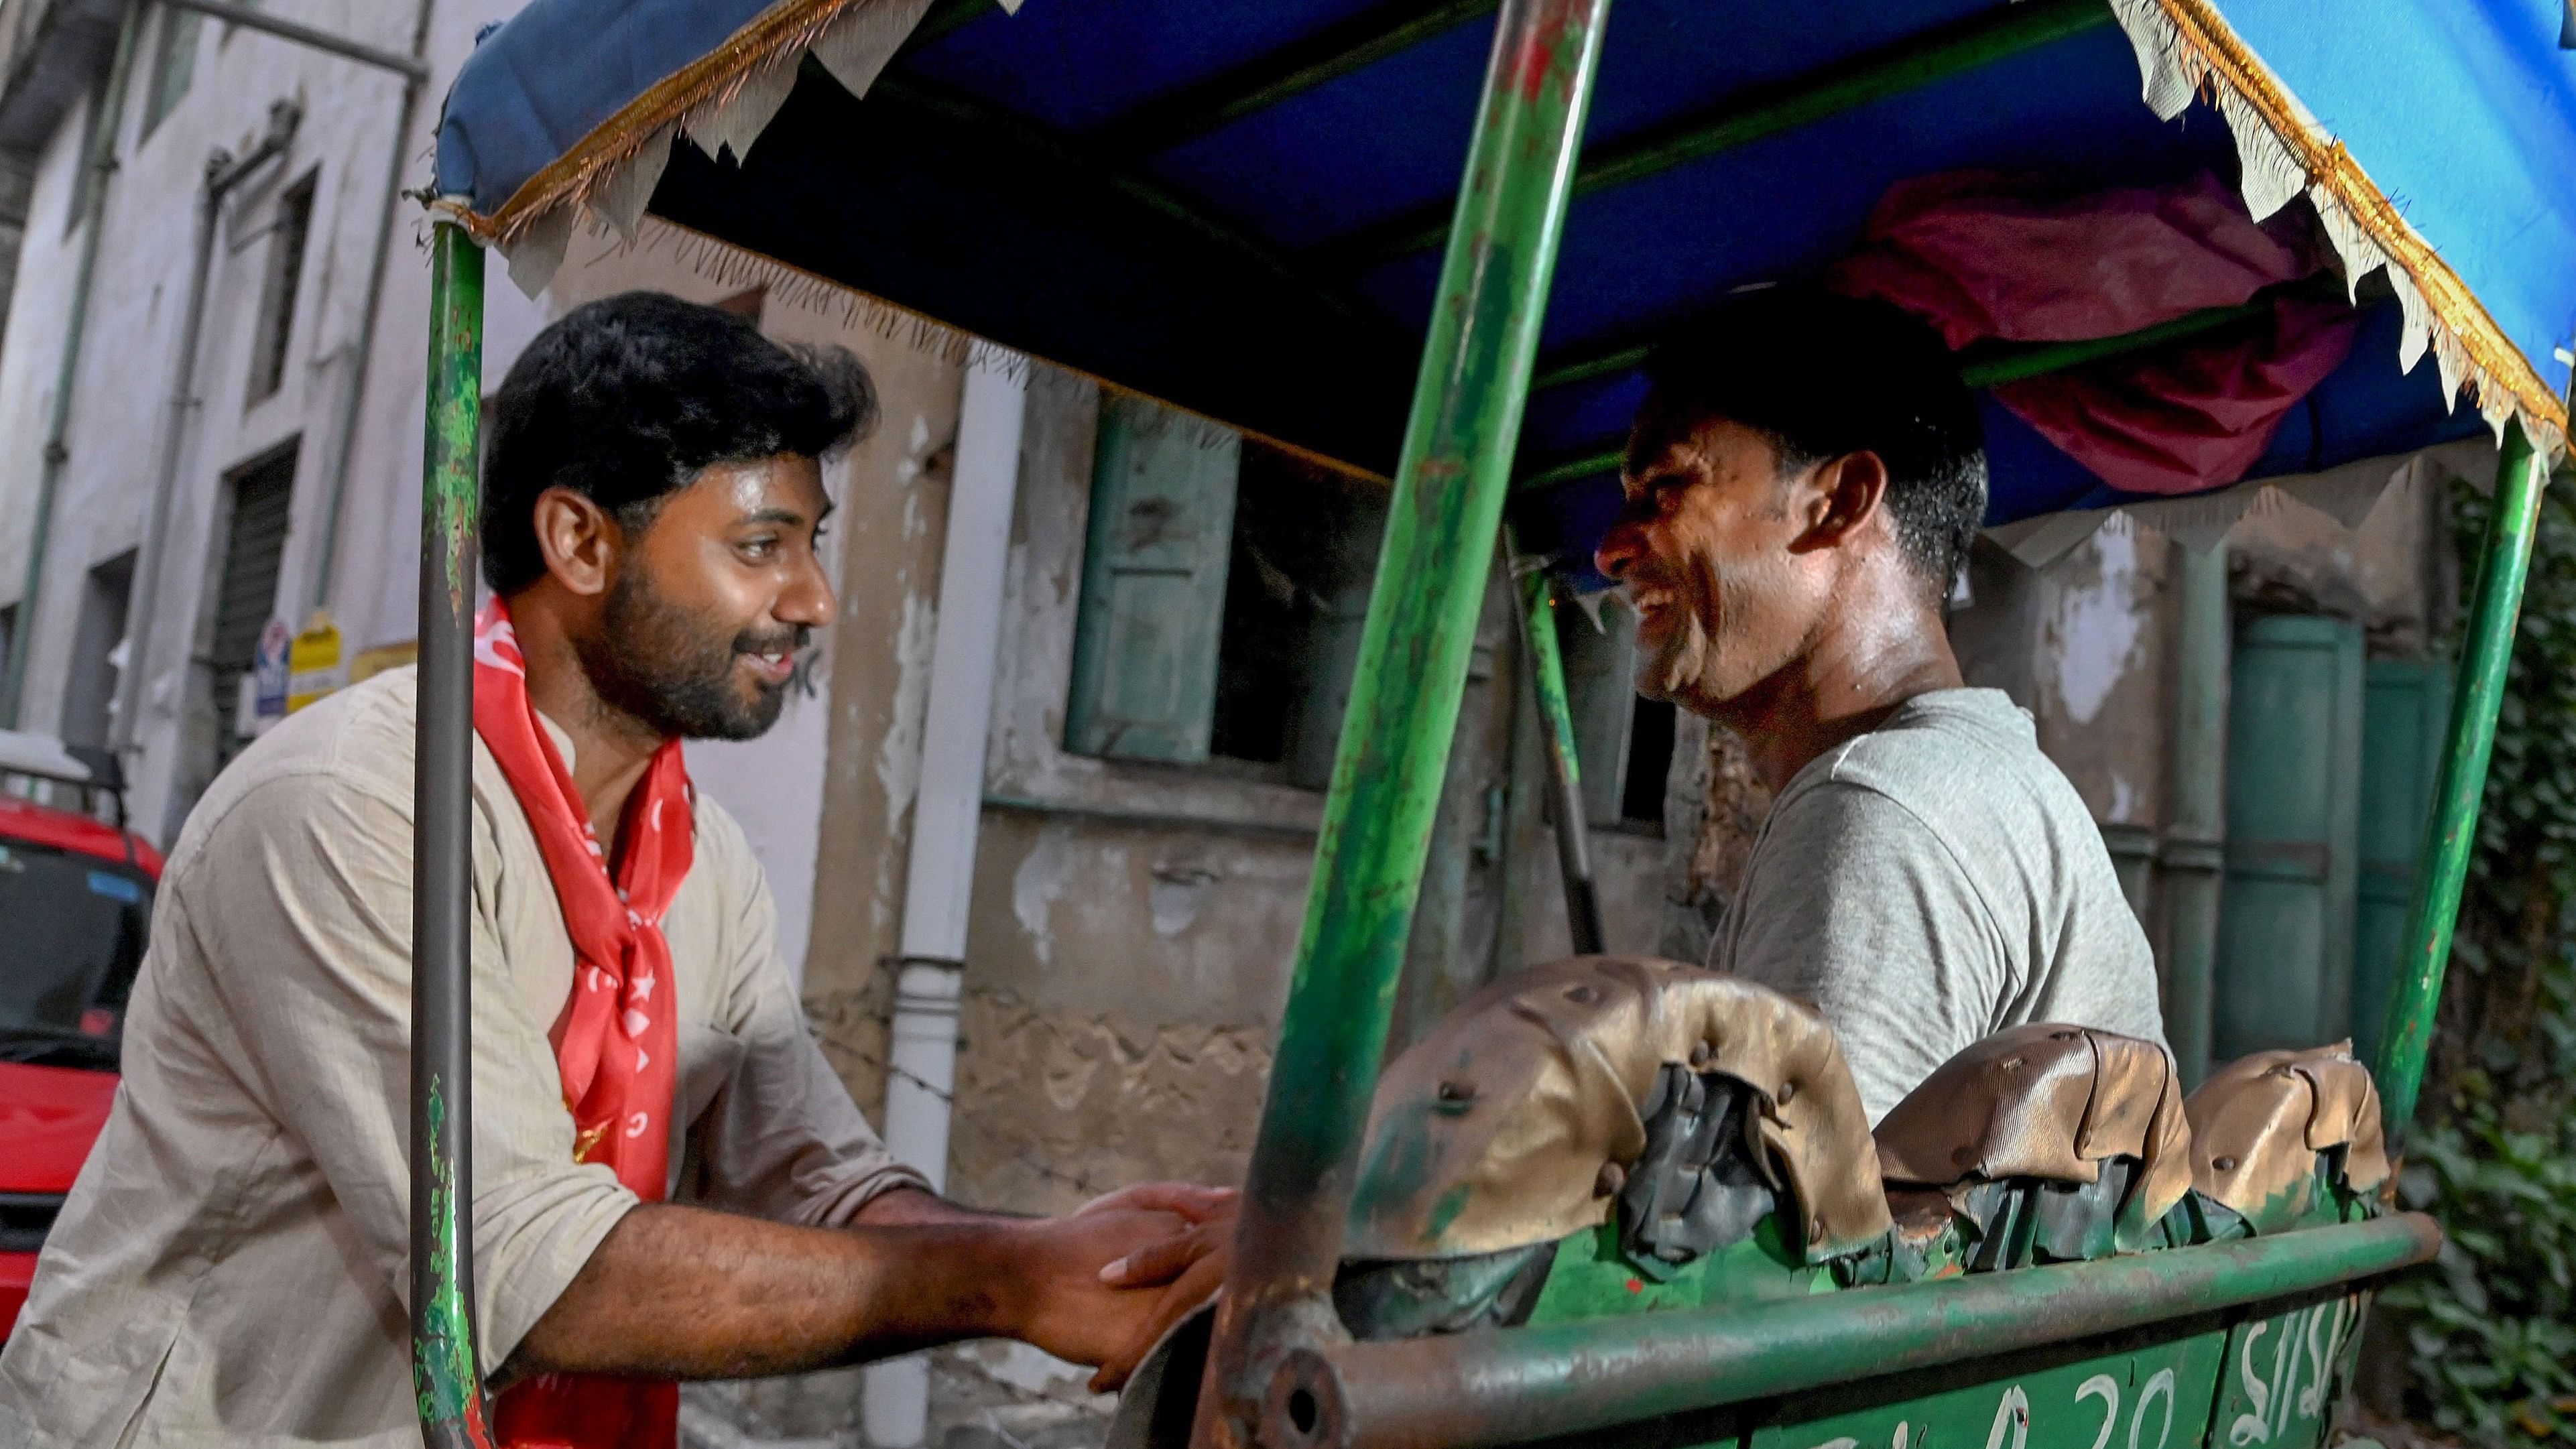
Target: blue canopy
column 1238, row 208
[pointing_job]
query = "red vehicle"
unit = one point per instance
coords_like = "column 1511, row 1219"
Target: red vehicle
column 76, row 891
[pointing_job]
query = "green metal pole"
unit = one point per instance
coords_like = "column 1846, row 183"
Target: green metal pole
column 2451, row 840
column 1556, row 729
column 446, row 1371
column 2194, row 857
column 1442, row 522
column 100, row 157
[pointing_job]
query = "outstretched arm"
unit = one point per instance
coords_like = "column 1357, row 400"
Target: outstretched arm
column 680, row 1292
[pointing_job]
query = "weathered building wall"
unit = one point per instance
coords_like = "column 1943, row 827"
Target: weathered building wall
column 2083, row 645
column 129, row 364
column 2395, row 573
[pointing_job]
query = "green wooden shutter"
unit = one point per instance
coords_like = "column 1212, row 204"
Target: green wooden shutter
column 2405, row 706
column 1153, row 585
column 2293, row 816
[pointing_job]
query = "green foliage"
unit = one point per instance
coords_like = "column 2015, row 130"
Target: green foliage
column 2492, row 1326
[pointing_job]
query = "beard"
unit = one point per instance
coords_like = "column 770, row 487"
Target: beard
column 672, row 668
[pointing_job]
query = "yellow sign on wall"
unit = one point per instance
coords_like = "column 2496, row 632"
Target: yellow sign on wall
column 313, row 662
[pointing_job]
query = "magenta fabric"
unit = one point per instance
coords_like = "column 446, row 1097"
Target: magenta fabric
column 1983, row 256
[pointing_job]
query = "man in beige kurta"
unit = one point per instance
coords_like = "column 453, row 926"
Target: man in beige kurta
column 230, row 1267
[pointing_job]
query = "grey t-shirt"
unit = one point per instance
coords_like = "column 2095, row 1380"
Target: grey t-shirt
column 1933, row 882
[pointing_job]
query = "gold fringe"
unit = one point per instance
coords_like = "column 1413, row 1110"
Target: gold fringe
column 777, row 36
column 2493, row 358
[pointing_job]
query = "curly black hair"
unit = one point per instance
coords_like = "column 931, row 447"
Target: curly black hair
column 1823, row 375
column 627, row 399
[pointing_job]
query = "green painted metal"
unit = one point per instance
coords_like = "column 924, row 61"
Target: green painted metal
column 1337, row 51
column 1518, row 1385
column 2293, row 835
column 1770, row 110
column 2285, row 1374
column 2433, row 907
column 1442, row 522
column 1541, row 650
column 2404, row 705
column 1995, row 365
column 1153, row 585
column 2193, row 853
column 99, row 156
column 1981, row 368
column 1592, row 1279
column 445, row 1368
column 2155, row 1394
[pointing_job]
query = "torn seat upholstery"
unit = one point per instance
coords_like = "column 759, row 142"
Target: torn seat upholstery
column 2045, row 1143
column 2286, row 1139
column 1685, row 1104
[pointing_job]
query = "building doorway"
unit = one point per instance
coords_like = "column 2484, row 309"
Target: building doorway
column 98, row 658
column 263, row 496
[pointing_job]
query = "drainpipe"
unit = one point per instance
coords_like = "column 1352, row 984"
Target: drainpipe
column 939, row 880
column 345, row 440
column 2194, row 853
column 101, row 160
column 223, row 174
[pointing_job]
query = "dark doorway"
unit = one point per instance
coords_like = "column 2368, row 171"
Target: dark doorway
column 89, row 699
column 263, row 495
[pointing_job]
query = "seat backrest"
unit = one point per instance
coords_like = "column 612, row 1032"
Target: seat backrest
column 1521, row 1117
column 2262, row 1124
column 2054, row 1104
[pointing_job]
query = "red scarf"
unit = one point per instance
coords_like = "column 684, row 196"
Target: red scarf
column 617, row 1041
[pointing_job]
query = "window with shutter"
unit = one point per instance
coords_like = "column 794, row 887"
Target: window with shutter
column 1154, row 585
column 2405, row 705
column 2285, row 932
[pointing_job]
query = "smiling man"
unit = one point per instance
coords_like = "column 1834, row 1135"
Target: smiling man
column 1803, row 483
column 669, row 1181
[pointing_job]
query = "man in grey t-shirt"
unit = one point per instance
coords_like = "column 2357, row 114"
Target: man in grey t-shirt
column 1803, row 481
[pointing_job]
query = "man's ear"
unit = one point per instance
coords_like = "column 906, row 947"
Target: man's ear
column 1840, row 497
column 579, row 540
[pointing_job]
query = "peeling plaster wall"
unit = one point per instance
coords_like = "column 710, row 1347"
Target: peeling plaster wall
column 1135, row 925
column 2083, row 645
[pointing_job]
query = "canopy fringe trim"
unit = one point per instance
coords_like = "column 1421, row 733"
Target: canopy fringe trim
column 727, row 264
column 722, row 101
column 2186, row 50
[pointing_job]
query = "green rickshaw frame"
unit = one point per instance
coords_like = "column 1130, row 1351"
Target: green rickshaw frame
column 1279, row 1372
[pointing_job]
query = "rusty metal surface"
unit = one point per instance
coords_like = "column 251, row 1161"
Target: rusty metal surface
column 1517, row 1385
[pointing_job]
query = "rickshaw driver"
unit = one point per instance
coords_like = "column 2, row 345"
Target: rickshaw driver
column 1803, row 482
column 230, row 1266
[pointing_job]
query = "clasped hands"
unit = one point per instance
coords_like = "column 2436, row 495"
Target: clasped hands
column 1107, row 1281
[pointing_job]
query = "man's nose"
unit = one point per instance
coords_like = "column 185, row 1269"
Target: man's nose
column 808, row 598
column 1620, row 549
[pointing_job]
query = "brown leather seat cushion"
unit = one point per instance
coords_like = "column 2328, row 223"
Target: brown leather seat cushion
column 1493, row 1131
column 2258, row 1124
column 2049, row 1102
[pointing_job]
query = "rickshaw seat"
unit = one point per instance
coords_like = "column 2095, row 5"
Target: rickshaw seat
column 2282, row 1139
column 1684, row 1106
column 2049, row 1142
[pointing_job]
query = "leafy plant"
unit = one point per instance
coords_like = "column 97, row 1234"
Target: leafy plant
column 2492, row 1325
